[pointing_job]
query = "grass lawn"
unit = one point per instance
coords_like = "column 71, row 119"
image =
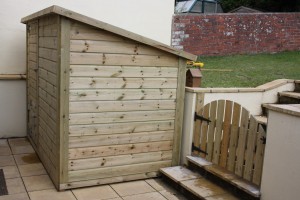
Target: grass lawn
column 250, row 70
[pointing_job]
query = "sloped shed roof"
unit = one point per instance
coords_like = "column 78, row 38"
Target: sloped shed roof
column 105, row 26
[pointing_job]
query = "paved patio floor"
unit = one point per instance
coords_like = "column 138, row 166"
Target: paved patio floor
column 27, row 179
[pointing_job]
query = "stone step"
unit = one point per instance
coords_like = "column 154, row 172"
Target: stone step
column 297, row 85
column 196, row 184
column 289, row 97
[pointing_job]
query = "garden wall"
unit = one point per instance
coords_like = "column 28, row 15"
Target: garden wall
column 226, row 34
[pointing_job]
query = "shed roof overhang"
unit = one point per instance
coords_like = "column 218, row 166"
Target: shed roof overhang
column 108, row 27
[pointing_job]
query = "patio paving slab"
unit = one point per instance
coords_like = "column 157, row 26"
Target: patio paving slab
column 32, row 169
column 51, row 194
column 10, row 171
column 145, row 196
column 95, row 193
column 132, row 188
column 20, row 196
column 15, row 186
column 34, row 183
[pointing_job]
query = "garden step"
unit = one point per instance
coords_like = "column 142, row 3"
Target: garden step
column 195, row 184
column 225, row 175
column 261, row 119
column 297, row 85
column 289, row 97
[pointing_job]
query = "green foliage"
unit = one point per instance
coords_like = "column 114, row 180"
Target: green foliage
column 265, row 5
column 250, row 70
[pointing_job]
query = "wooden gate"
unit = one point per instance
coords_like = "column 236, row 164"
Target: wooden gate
column 232, row 139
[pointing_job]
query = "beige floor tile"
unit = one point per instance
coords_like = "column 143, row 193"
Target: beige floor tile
column 95, row 193
column 20, row 146
column 166, row 190
column 145, row 196
column 21, row 196
column 51, row 195
column 7, row 161
column 4, row 148
column 132, row 188
column 10, row 171
column 34, row 183
column 32, row 169
column 15, row 186
column 23, row 159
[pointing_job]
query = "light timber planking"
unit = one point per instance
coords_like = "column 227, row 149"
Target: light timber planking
column 110, row 161
column 48, row 65
column 122, row 59
column 48, row 109
column 198, row 124
column 240, row 154
column 32, row 39
column 32, row 48
column 115, row 179
column 122, row 71
column 133, row 127
column 92, row 46
column 116, row 117
column 63, row 106
column 251, row 143
column 259, row 156
column 117, row 171
column 234, row 131
column 117, row 139
column 49, row 54
column 179, row 111
column 218, row 132
column 48, row 98
column 121, row 94
column 226, row 134
column 32, row 57
column 48, row 30
column 204, row 129
column 95, row 83
column 114, row 106
column 211, row 130
column 48, row 76
column 81, row 31
column 48, row 42
column 48, row 87
column 124, row 149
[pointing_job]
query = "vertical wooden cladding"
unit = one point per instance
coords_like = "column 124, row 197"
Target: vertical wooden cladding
column 48, row 28
column 122, row 106
column 232, row 139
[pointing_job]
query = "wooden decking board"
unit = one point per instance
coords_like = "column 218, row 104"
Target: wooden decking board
column 295, row 95
column 179, row 173
column 261, row 119
column 200, row 162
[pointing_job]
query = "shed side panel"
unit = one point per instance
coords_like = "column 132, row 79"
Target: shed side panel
column 122, row 107
column 48, row 93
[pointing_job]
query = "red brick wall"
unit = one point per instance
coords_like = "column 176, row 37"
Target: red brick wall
column 225, row 34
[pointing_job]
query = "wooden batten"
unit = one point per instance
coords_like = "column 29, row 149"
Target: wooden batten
column 105, row 105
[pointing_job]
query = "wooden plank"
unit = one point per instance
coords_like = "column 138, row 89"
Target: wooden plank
column 259, row 156
column 48, row 20
column 111, row 161
column 204, row 129
column 211, row 130
column 48, row 109
column 133, row 127
column 51, row 123
column 117, row 171
column 32, row 48
column 218, row 132
column 122, row 59
column 117, row 139
column 48, row 87
column 197, row 124
column 121, row 94
column 117, row 117
column 114, row 106
column 48, row 98
column 92, row 46
column 80, row 31
column 179, row 111
column 48, row 76
column 49, row 54
column 124, row 149
column 32, row 57
column 48, row 30
column 49, row 131
column 249, row 156
column 48, row 65
column 234, row 130
column 226, row 134
column 109, row 180
column 48, row 42
column 32, row 39
column 240, row 152
column 135, row 83
column 63, row 106
column 122, row 71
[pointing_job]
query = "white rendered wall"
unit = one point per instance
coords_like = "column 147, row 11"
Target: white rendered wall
column 148, row 18
column 281, row 177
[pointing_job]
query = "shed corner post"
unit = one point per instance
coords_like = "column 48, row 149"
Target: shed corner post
column 63, row 83
column 179, row 112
